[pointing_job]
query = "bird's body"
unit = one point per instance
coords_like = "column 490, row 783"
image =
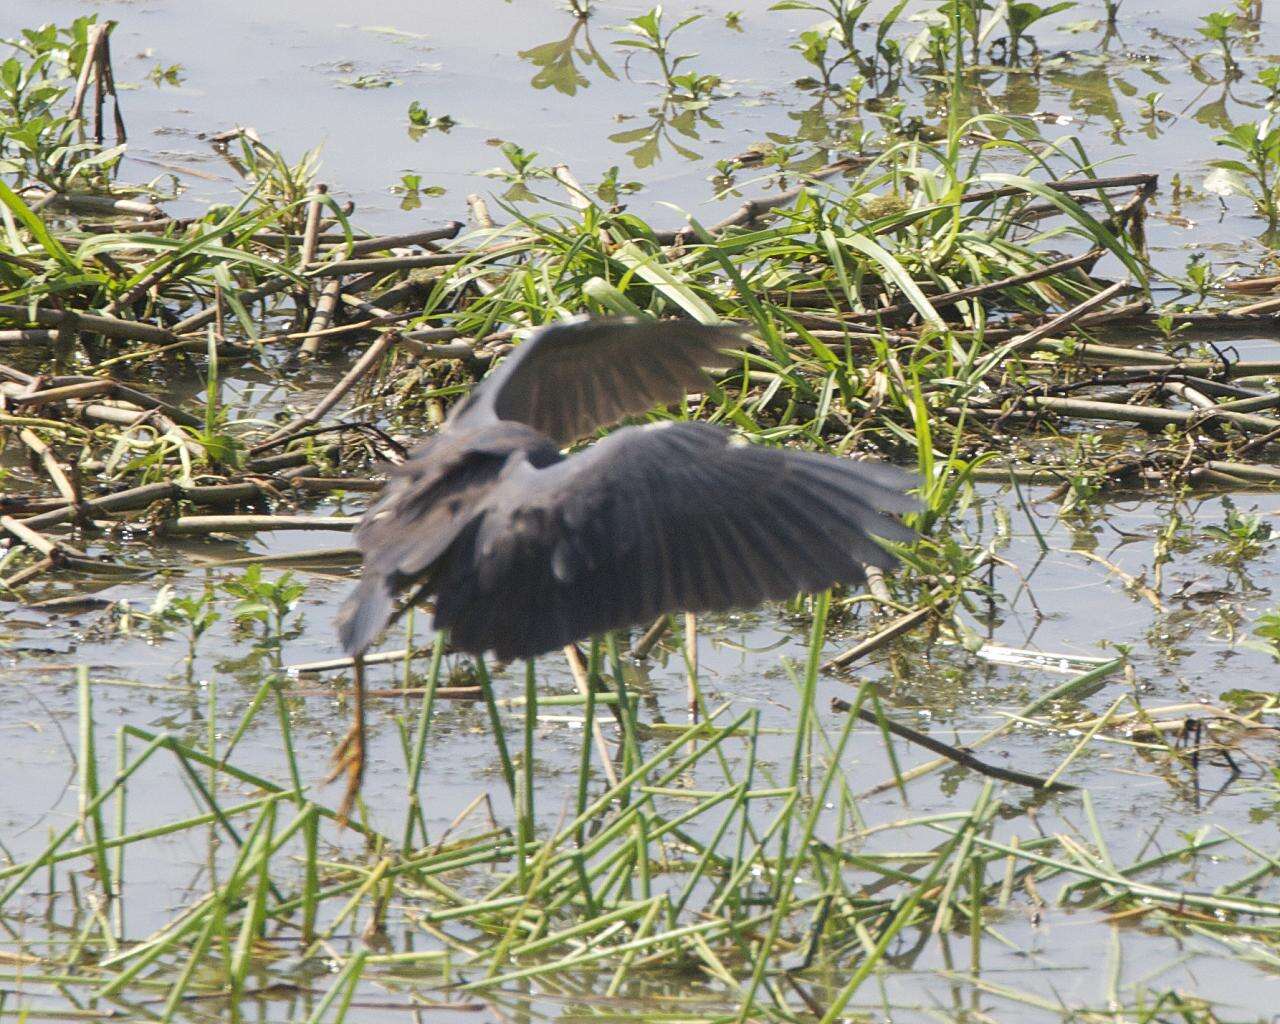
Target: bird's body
column 525, row 550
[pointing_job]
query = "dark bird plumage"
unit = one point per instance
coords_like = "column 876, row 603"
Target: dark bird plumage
column 525, row 550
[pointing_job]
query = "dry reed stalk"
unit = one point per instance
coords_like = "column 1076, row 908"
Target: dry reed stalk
column 322, row 319
column 66, row 320
column 366, row 364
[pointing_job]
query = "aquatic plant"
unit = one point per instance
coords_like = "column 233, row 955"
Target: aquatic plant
column 1221, row 27
column 1256, row 175
column 43, row 139
column 647, row 34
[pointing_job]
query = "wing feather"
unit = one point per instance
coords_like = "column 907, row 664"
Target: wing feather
column 571, row 378
column 659, row 519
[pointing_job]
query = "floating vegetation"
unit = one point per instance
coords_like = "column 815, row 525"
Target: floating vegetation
column 962, row 296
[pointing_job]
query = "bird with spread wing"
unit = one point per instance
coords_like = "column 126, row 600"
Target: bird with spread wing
column 524, row 550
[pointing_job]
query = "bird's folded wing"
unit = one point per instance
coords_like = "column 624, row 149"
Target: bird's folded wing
column 571, row 378
column 674, row 516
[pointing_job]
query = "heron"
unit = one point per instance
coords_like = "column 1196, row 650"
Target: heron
column 523, row 549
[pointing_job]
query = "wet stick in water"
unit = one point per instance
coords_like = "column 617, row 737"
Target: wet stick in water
column 583, row 679
column 959, row 755
column 1081, row 685
column 691, row 664
column 363, row 366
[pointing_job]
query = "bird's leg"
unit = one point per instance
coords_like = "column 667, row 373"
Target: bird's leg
column 350, row 753
column 581, row 678
column 691, row 663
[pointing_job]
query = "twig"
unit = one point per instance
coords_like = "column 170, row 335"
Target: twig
column 1249, row 285
column 323, row 316
column 480, row 211
column 30, row 572
column 69, row 320
column 1064, row 320
column 1262, row 474
column 876, row 585
column 1109, row 355
column 48, row 547
column 87, row 202
column 1265, row 306
column 1146, row 415
column 311, row 230
column 1130, row 581
column 254, row 524
column 379, row 264
column 578, row 197
column 28, row 336
column 896, row 628
column 645, row 645
column 51, row 465
column 579, row 672
column 364, row 365
column 380, row 242
column 92, row 55
column 328, row 557
column 72, row 389
column 325, row 484
column 1145, row 181
column 338, row 664
column 957, row 754
column 35, row 399
column 1076, row 688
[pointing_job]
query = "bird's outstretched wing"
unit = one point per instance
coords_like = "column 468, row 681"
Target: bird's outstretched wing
column 571, row 378
column 667, row 517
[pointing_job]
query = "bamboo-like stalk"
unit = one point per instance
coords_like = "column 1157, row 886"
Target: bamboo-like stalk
column 1147, row 416
column 380, row 264
column 200, row 525
column 365, row 365
column 69, row 321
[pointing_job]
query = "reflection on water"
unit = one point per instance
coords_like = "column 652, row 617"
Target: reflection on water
column 563, row 63
column 532, row 74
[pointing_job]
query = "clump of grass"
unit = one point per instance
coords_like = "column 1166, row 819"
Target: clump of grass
column 685, row 859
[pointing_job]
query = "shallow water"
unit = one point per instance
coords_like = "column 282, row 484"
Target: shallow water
column 1069, row 610
column 295, row 71
column 286, row 69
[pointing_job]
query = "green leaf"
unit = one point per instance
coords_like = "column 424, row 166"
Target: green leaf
column 648, row 268
column 897, row 273
column 609, row 297
column 1095, row 229
column 36, row 226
